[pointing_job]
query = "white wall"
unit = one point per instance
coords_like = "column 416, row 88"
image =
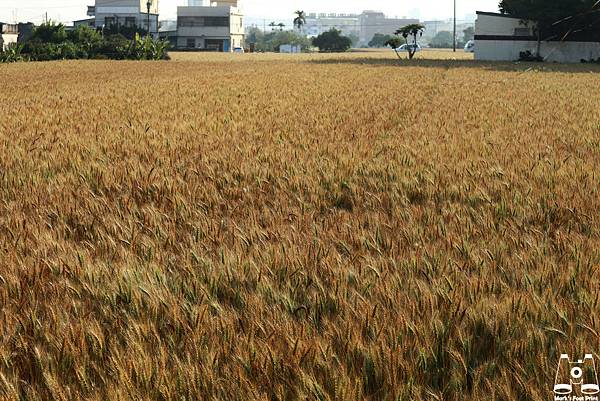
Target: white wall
column 6, row 39
column 491, row 25
column 560, row 52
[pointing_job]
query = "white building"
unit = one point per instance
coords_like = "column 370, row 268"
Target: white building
column 219, row 27
column 9, row 33
column 316, row 24
column 123, row 13
column 501, row 37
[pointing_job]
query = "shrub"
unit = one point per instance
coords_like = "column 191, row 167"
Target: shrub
column 12, row 53
column 529, row 56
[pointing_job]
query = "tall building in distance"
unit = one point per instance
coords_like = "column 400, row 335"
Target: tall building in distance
column 316, row 24
column 372, row 22
column 361, row 26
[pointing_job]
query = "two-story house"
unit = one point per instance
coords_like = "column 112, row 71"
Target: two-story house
column 125, row 13
column 219, row 27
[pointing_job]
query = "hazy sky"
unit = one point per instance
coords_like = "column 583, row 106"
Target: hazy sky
column 68, row 10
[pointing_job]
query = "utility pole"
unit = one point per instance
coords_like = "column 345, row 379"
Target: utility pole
column 454, row 36
column 148, row 4
column 46, row 18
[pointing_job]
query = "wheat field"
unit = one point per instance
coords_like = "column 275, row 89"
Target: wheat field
column 311, row 227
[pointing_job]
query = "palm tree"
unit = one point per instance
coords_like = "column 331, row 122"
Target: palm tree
column 300, row 20
column 281, row 25
column 273, row 25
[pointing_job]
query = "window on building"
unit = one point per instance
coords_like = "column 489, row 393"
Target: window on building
column 110, row 21
column 188, row 21
column 216, row 21
column 202, row 21
column 130, row 22
column 191, row 42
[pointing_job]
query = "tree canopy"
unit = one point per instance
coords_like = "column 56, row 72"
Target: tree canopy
column 271, row 41
column 442, row 40
column 468, row 34
column 300, row 19
column 413, row 31
column 558, row 19
column 332, row 41
column 379, row 40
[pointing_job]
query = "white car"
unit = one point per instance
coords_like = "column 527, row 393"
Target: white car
column 405, row 48
column 238, row 50
column 470, row 46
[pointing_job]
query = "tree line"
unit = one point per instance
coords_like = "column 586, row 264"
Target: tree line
column 51, row 41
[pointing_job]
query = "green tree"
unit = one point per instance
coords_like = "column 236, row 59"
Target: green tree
column 395, row 42
column 332, row 41
column 556, row 19
column 354, row 39
column 413, row 31
column 87, row 38
column 468, row 34
column 270, row 41
column 442, row 40
column 49, row 33
column 128, row 31
column 379, row 40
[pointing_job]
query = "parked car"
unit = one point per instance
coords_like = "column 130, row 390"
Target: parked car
column 470, row 46
column 238, row 50
column 405, row 48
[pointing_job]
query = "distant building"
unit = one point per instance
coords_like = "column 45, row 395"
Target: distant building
column 502, row 37
column 363, row 26
column 372, row 22
column 125, row 13
column 433, row 27
column 9, row 33
column 290, row 49
column 316, row 24
column 219, row 27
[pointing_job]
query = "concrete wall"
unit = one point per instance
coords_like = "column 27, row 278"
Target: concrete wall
column 560, row 52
